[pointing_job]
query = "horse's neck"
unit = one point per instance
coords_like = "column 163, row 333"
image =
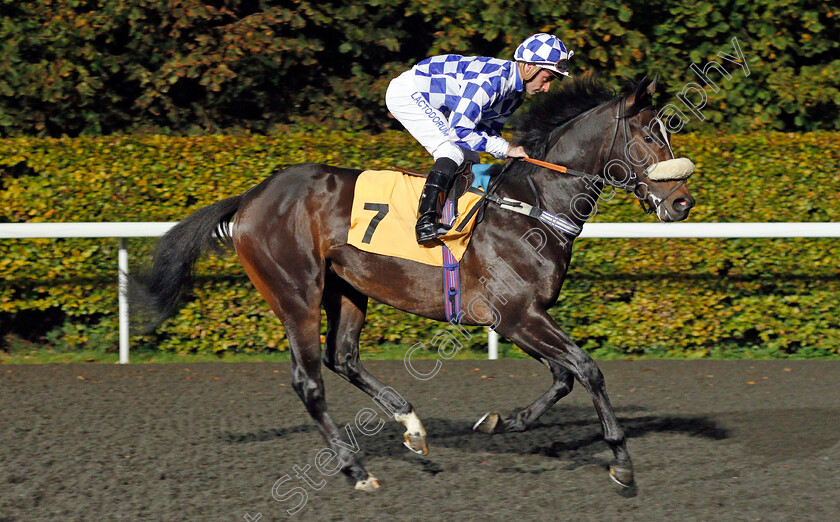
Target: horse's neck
column 566, row 195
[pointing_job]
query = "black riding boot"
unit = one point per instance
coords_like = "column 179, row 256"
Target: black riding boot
column 432, row 199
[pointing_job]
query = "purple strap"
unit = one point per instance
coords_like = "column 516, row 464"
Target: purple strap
column 451, row 270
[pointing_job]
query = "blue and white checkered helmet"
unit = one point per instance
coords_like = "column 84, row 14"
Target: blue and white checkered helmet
column 547, row 51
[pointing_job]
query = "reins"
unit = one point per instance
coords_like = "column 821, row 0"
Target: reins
column 555, row 167
column 562, row 224
column 620, row 116
column 514, row 205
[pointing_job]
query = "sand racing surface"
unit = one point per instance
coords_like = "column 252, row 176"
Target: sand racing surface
column 741, row 440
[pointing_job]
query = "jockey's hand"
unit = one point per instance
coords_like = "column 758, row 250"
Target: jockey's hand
column 516, row 151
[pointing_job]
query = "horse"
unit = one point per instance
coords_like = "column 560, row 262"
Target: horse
column 290, row 235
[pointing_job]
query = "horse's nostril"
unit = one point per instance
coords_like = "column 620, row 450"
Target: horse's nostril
column 683, row 203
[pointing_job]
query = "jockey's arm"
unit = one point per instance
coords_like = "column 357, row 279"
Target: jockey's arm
column 467, row 115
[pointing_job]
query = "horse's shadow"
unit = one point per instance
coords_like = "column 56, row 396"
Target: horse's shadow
column 570, row 434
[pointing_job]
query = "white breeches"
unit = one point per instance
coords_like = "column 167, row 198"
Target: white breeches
column 428, row 125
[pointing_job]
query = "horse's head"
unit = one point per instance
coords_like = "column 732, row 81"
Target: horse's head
column 591, row 133
column 640, row 159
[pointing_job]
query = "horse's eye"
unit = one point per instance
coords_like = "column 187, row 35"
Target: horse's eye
column 649, row 139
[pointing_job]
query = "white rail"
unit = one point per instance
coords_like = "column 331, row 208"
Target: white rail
column 55, row 230
column 77, row 230
column 590, row 230
column 710, row 230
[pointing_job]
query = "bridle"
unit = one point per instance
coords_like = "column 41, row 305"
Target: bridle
column 621, row 118
column 637, row 184
column 634, row 185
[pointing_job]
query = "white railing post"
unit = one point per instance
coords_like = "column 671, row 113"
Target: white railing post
column 122, row 281
column 492, row 344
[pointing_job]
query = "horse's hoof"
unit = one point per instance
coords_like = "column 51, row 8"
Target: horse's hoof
column 487, row 423
column 415, row 435
column 621, row 475
column 416, row 443
column 370, row 484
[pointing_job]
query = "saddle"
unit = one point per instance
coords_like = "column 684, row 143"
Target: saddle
column 464, row 179
column 384, row 213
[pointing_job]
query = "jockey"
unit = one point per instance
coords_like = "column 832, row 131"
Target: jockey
column 456, row 106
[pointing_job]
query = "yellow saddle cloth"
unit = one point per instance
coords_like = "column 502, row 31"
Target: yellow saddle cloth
column 385, row 212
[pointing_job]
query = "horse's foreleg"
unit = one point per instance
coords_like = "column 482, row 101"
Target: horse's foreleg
column 522, row 419
column 346, row 308
column 539, row 334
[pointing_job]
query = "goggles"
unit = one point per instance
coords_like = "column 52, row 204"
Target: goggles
column 560, row 67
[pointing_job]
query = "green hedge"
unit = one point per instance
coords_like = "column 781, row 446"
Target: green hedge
column 622, row 297
column 76, row 66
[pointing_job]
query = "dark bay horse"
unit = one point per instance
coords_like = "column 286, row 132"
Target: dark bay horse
column 290, row 234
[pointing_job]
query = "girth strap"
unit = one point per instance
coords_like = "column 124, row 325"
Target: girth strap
column 451, row 270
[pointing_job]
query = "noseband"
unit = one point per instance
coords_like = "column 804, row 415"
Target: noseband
column 637, row 184
column 668, row 170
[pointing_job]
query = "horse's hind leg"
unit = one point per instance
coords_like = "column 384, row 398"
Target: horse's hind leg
column 307, row 382
column 300, row 313
column 346, row 308
column 522, row 419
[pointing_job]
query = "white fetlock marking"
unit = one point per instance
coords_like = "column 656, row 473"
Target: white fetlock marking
column 412, row 423
column 369, row 484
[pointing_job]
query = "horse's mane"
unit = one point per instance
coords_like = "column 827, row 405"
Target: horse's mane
column 544, row 114
column 575, row 96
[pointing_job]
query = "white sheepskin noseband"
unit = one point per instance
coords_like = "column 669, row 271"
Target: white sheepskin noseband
column 670, row 170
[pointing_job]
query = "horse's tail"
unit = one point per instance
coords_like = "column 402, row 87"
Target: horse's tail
column 157, row 292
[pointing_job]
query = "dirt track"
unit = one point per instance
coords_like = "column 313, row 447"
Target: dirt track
column 710, row 440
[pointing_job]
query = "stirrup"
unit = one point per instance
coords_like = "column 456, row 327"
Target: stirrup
column 430, row 231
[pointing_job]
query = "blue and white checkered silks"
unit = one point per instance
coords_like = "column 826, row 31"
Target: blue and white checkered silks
column 428, row 125
column 477, row 94
column 544, row 50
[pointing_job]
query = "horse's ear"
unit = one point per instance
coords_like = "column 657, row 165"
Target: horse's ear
column 643, row 94
column 651, row 88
